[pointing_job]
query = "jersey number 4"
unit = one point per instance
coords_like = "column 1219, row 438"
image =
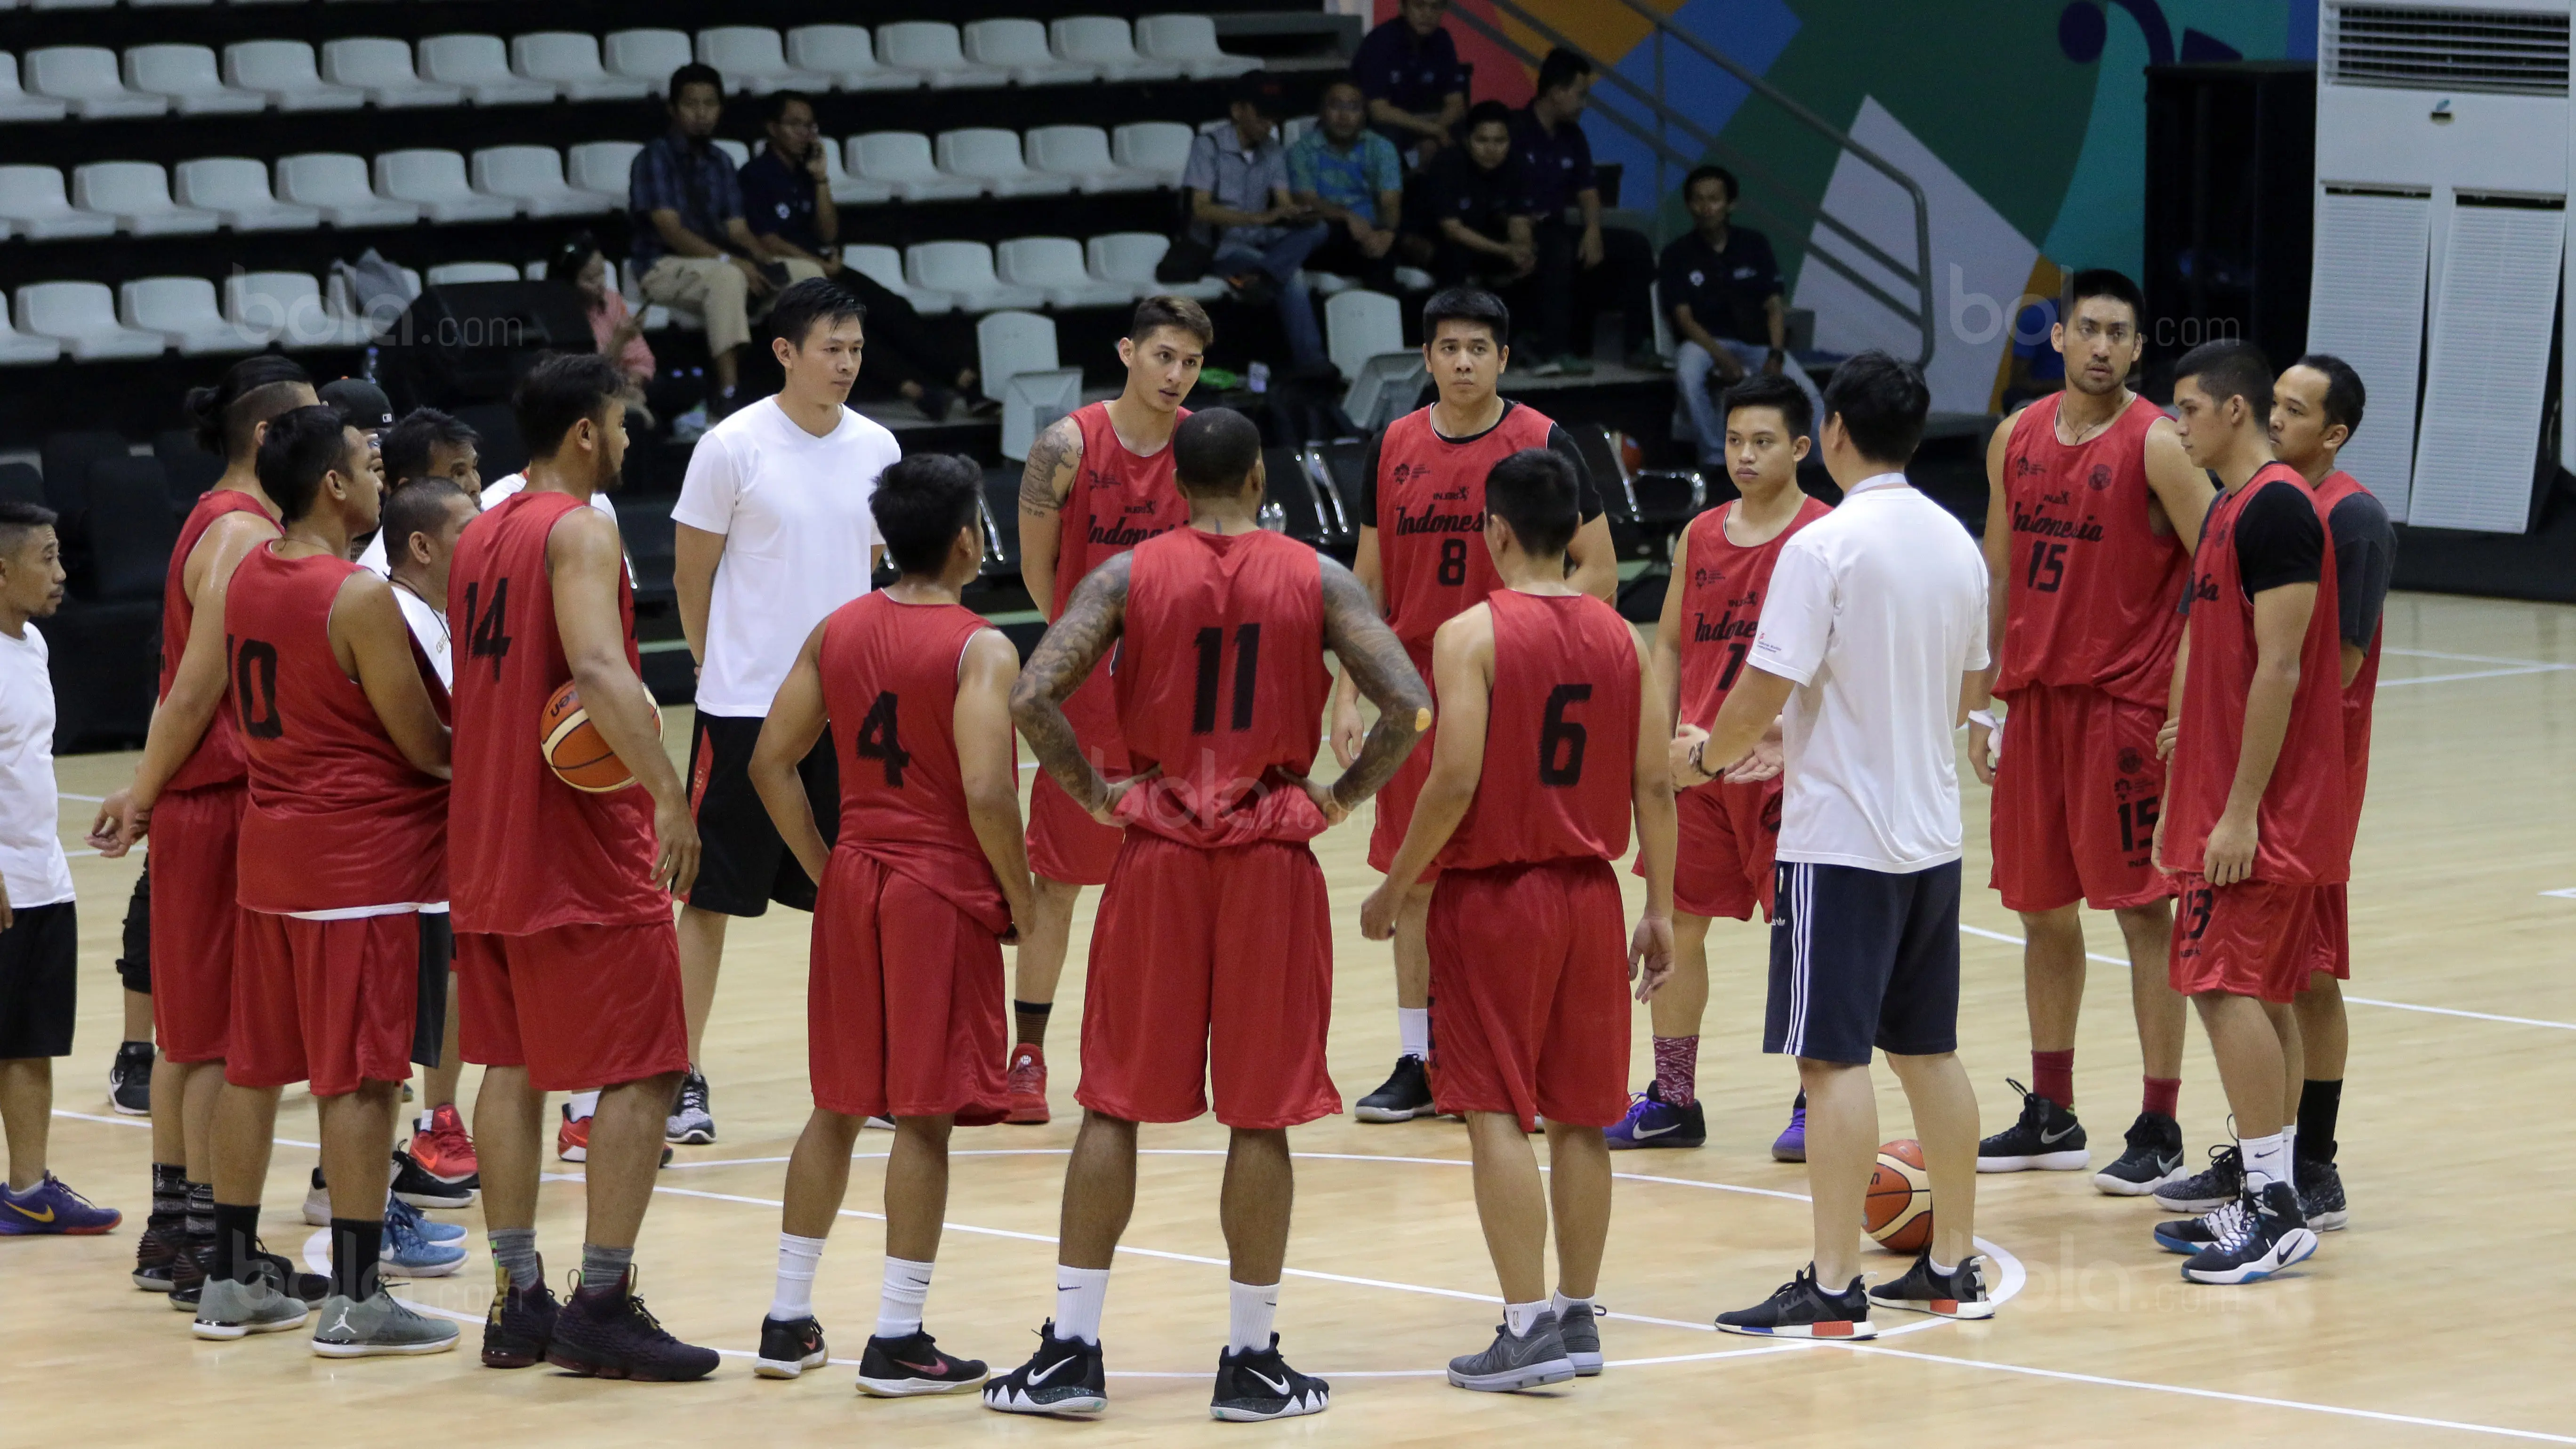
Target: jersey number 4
column 487, row 631
column 879, row 740
column 1561, row 740
column 1247, row 676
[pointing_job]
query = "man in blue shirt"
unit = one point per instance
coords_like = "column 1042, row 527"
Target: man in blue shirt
column 787, row 188
column 1237, row 180
column 1351, row 177
column 1581, row 271
column 1721, row 287
column 1409, row 74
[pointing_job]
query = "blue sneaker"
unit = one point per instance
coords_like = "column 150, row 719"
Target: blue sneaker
column 1654, row 1122
column 429, row 1228
column 1791, row 1144
column 408, row 1253
column 50, row 1207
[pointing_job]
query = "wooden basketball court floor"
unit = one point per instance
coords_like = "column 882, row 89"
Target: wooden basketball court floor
column 2433, row 1319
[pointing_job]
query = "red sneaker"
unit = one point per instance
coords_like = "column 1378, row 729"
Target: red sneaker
column 1028, row 1085
column 572, row 1139
column 444, row 1151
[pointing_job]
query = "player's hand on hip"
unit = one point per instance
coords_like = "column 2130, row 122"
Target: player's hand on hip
column 1348, row 733
column 2166, row 734
column 1335, row 812
column 120, row 823
column 2229, row 856
column 1377, row 913
column 1650, row 954
column 1106, row 812
column 675, row 846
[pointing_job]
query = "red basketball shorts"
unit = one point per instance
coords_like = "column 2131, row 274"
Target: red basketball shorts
column 2075, row 801
column 329, row 1002
column 2249, row 939
column 578, row 1006
column 2329, row 934
column 196, row 915
column 1210, row 967
column 922, row 1039
column 1395, row 799
column 1065, row 843
column 1730, row 835
column 1529, row 992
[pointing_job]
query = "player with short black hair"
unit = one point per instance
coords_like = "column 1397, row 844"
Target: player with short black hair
column 427, row 443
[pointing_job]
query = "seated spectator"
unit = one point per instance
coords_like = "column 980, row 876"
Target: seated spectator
column 1721, row 287
column 2037, row 368
column 787, row 190
column 1581, row 269
column 1237, row 180
column 1409, row 74
column 1477, row 205
column 692, row 248
column 1351, row 177
column 616, row 331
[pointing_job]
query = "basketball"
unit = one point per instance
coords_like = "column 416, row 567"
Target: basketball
column 1899, row 1211
column 573, row 748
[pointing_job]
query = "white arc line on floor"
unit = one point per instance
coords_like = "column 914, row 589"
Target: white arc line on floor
column 2475, row 674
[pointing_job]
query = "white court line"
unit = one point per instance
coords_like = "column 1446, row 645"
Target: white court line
column 92, row 799
column 2475, row 674
column 146, row 1124
column 2469, row 658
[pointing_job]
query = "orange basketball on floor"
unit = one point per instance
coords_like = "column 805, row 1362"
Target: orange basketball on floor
column 1899, row 1210
column 573, row 749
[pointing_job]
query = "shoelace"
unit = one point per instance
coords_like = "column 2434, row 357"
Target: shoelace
column 2232, row 1225
column 60, row 1186
column 2034, row 1109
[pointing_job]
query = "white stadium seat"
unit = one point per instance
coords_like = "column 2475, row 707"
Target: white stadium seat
column 289, row 307
column 137, row 194
column 737, row 151
column 435, row 179
column 646, row 55
column 843, row 53
column 84, row 78
column 1130, row 257
column 932, row 47
column 884, row 266
column 286, row 70
column 990, row 156
column 187, row 74
column 382, row 68
column 901, row 161
column 753, row 60
column 1190, row 41
column 32, row 201
column 17, row 105
column 1082, row 152
column 82, row 317
column 849, row 190
column 604, row 167
column 1054, row 265
column 1360, row 325
column 1015, row 353
column 1019, row 47
column 448, row 274
column 1159, row 148
column 336, row 184
column 480, row 65
column 1105, row 43
column 140, row 4
column 69, row 4
column 20, row 350
column 569, row 61
column 236, row 189
column 183, row 310
column 533, row 176
column 964, row 270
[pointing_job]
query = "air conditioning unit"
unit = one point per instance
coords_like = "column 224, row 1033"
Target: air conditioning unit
column 2443, row 134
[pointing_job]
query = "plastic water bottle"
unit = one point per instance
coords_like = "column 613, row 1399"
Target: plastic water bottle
column 1257, row 377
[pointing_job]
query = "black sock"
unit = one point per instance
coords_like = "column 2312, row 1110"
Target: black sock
column 356, row 1245
column 1031, row 1019
column 1801, row 1103
column 2318, row 1104
column 201, row 1211
column 236, row 1233
column 169, row 1193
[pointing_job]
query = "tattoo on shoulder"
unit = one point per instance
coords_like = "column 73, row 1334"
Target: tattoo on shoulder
column 1049, row 475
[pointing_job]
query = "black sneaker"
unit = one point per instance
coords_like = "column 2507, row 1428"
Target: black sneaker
column 1257, row 1384
column 2269, row 1234
column 129, row 1079
column 1405, row 1095
column 189, row 1269
column 2321, row 1193
column 607, row 1333
column 692, row 1123
column 2188, row 1236
column 1959, row 1293
column 421, row 1188
column 2221, row 1183
column 2154, row 1155
column 193, row 1268
column 1801, row 1309
column 521, row 1322
column 788, row 1347
column 158, row 1251
column 2046, row 1139
column 1063, row 1377
column 895, row 1368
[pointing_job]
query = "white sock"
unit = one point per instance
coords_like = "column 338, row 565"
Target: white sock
column 1519, row 1317
column 797, row 1260
column 2267, row 1160
column 1413, row 1029
column 585, row 1105
column 1940, row 1270
column 907, row 1287
column 1249, row 1312
column 1560, row 1303
column 2290, row 1143
column 1080, row 1293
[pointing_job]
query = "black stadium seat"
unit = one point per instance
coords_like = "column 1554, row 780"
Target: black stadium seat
column 189, row 469
column 68, row 460
column 21, row 483
column 131, row 531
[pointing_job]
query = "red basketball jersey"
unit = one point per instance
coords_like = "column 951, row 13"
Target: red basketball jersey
column 1430, row 518
column 2359, row 695
column 1560, row 736
column 1119, row 500
column 218, row 760
column 338, row 818
column 890, row 688
column 1722, row 605
column 2093, row 590
column 1221, row 682
column 527, row 852
column 2304, row 828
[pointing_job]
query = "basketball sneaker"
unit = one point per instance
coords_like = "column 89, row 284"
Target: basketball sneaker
column 2152, row 1157
column 2047, row 1138
column 1800, row 1308
column 2188, row 1236
column 607, row 1333
column 691, row 1124
column 230, row 1309
column 51, row 1208
column 421, row 1224
column 1513, row 1362
column 188, row 1271
column 444, row 1150
column 1959, row 1293
column 521, row 1321
column 1654, row 1122
column 1063, row 1377
column 129, row 1080
column 1580, row 1326
column 1028, row 1085
column 2221, row 1183
column 788, row 1347
column 158, row 1251
column 317, row 1202
column 2270, row 1232
column 1256, row 1383
column 2320, row 1193
column 1403, row 1096
column 375, row 1326
column 572, row 1139
column 894, row 1368
column 413, row 1184
column 1791, row 1144
column 409, row 1252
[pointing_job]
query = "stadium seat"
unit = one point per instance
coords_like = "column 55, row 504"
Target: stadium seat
column 480, row 66
column 17, row 105
column 449, row 274
column 235, row 188
column 849, row 190
column 336, row 184
column 435, row 180
column 82, row 317
column 739, row 152
column 901, row 161
column 183, row 310
column 289, row 306
column 131, row 528
column 843, row 53
column 1190, row 41
column 1158, row 148
column 339, row 304
column 17, row 349
column 69, row 4
column 286, row 70
column 33, row 202
column 1129, row 259
column 1104, row 43
column 884, row 266
column 1015, row 353
column 753, row 61
column 1294, row 129
column 187, row 74
column 69, row 455
column 1054, row 265
column 646, row 55
column 137, row 194
column 569, row 61
column 1019, row 47
column 139, row 4
column 964, row 270
column 533, row 176
column 19, row 482
column 84, row 78
column 603, row 167
column 382, row 68
column 1082, row 153
column 991, row 156
column 932, row 48
column 1359, row 325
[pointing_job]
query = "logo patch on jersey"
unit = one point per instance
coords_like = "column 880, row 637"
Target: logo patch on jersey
column 2023, row 467
column 1702, row 578
column 2099, row 478
column 1453, row 495
column 2131, row 762
column 1400, row 474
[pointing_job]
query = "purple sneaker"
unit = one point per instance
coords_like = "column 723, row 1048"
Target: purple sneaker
column 1654, row 1122
column 50, row 1207
column 1791, row 1144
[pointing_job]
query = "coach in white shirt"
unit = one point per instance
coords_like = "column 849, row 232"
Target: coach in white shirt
column 1875, row 620
column 772, row 532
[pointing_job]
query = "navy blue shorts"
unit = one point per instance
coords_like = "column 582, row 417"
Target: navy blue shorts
column 1863, row 959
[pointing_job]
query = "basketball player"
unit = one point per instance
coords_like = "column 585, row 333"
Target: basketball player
column 1422, row 503
column 188, row 791
column 1529, row 986
column 2091, row 517
column 927, row 878
column 1729, row 826
column 1098, row 483
column 569, row 965
column 2259, row 818
column 344, row 837
column 778, row 490
column 1212, row 959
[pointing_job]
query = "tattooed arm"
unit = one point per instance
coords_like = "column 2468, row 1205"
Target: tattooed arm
column 1374, row 659
column 1073, row 645
column 1044, row 486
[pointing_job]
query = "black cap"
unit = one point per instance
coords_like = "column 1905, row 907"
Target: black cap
column 360, row 403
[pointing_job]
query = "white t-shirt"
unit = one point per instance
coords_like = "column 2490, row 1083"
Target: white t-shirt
column 31, row 844
column 793, row 509
column 1875, row 611
column 429, row 627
